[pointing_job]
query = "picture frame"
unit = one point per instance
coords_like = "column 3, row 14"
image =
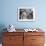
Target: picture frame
column 26, row 14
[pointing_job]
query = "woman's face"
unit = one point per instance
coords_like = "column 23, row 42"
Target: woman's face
column 24, row 13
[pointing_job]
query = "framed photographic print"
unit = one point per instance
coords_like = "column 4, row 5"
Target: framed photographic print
column 26, row 14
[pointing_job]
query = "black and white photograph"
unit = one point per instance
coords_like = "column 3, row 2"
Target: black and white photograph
column 26, row 14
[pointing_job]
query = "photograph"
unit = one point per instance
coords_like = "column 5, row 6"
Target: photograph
column 26, row 14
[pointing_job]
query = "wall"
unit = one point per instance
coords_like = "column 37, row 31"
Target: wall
column 8, row 13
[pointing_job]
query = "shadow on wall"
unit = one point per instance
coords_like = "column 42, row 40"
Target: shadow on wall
column 2, row 26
